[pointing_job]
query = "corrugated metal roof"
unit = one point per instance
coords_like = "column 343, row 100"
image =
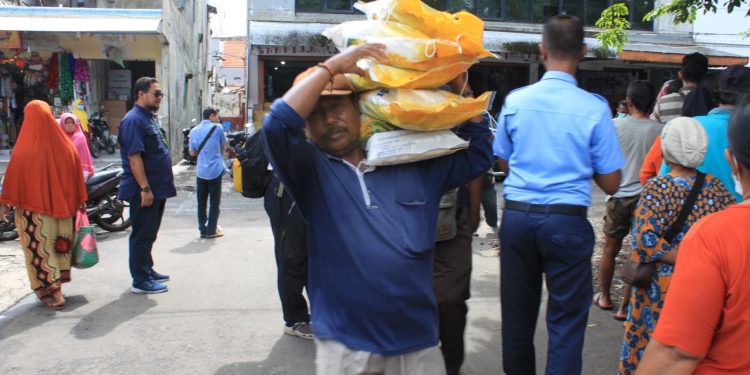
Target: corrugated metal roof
column 664, row 53
column 68, row 20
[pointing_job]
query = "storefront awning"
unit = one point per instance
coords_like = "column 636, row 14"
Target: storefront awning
column 671, row 54
column 87, row 20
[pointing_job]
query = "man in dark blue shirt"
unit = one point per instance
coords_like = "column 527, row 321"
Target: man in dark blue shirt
column 146, row 183
column 371, row 231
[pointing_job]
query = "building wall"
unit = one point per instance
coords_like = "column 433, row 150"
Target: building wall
column 184, row 66
column 129, row 4
column 721, row 30
column 134, row 47
column 232, row 76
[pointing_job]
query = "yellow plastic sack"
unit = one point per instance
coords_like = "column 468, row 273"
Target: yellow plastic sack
column 422, row 110
column 379, row 75
column 462, row 27
column 405, row 47
column 370, row 126
column 237, row 175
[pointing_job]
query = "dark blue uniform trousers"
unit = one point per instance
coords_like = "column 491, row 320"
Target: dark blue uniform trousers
column 559, row 247
column 146, row 222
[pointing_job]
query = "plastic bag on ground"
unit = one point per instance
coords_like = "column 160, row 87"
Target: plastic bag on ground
column 406, row 146
column 421, row 110
column 462, row 27
column 380, row 75
column 405, row 47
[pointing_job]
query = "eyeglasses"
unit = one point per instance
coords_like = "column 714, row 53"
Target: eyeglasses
column 157, row 93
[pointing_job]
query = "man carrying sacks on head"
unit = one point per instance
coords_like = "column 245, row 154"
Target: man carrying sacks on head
column 370, row 230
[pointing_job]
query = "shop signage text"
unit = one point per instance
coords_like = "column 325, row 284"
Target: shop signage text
column 292, row 51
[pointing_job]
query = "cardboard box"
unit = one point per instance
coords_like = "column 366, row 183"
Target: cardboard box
column 115, row 108
column 114, row 124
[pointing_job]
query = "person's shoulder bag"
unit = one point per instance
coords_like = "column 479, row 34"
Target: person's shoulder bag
column 210, row 132
column 447, row 225
column 638, row 274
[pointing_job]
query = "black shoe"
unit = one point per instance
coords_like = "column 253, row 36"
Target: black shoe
column 148, row 287
column 159, row 278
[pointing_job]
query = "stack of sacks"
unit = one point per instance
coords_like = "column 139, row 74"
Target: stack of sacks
column 425, row 49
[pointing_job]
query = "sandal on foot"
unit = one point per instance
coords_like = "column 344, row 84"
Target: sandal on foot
column 55, row 306
column 597, row 296
column 619, row 318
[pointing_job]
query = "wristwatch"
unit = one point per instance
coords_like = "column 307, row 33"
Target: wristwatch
column 146, row 189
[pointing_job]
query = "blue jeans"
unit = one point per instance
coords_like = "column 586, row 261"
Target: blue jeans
column 208, row 190
column 146, row 222
column 560, row 248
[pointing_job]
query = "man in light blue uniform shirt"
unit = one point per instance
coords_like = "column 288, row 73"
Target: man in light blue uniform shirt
column 209, row 170
column 554, row 138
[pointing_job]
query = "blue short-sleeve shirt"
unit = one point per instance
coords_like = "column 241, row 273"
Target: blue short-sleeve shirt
column 555, row 137
column 140, row 133
column 210, row 163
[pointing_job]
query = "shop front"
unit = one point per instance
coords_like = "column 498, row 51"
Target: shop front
column 42, row 58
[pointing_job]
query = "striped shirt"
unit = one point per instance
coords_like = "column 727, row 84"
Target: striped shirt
column 670, row 106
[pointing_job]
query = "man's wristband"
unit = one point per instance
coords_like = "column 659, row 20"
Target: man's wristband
column 146, row 189
column 327, row 69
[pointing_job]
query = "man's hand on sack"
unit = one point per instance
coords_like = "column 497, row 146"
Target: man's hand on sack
column 346, row 60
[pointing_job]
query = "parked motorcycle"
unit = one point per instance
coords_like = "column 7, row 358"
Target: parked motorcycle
column 8, row 229
column 103, row 207
column 101, row 137
column 235, row 139
column 186, row 143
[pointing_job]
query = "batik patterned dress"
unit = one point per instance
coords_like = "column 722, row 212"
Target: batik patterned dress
column 660, row 204
column 47, row 244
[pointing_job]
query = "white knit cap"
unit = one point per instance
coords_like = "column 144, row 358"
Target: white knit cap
column 684, row 142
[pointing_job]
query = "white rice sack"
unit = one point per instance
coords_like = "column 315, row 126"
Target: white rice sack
column 406, row 146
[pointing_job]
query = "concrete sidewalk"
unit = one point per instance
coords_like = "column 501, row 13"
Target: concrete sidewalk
column 221, row 314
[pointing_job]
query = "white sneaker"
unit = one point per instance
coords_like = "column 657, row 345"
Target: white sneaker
column 302, row 330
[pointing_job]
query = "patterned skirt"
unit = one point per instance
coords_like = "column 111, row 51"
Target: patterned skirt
column 47, row 244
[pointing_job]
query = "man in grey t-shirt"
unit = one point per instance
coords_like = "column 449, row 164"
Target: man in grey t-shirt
column 635, row 133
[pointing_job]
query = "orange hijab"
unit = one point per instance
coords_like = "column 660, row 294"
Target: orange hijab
column 44, row 174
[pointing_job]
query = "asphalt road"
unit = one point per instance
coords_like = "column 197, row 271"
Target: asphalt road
column 222, row 314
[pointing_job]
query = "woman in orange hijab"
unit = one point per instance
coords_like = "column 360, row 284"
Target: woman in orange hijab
column 44, row 182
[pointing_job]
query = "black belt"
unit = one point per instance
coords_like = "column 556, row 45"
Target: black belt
column 564, row 209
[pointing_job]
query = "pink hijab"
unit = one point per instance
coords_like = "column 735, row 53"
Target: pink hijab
column 79, row 140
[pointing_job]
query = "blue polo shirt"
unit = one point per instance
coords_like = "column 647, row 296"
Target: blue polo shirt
column 210, row 163
column 716, row 124
column 371, row 234
column 140, row 133
column 555, row 137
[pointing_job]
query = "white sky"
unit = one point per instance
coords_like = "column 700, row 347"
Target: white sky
column 232, row 18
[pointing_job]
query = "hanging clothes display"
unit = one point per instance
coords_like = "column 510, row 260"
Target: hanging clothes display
column 81, row 70
column 53, row 72
column 66, row 79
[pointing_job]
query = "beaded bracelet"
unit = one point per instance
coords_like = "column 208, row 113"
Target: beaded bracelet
column 330, row 73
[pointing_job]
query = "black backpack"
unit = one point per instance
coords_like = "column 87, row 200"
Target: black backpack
column 698, row 102
column 254, row 164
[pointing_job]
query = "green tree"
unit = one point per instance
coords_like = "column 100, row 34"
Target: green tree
column 613, row 22
column 613, row 29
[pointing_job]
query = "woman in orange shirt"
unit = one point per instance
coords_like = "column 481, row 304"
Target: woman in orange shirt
column 704, row 326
